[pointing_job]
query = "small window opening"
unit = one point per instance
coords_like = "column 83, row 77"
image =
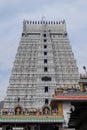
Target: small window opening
column 46, row 88
column 45, row 69
column 46, row 101
column 45, row 60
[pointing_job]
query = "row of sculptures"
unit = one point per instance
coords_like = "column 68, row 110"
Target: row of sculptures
column 18, row 110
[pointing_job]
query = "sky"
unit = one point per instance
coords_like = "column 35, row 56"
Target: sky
column 12, row 14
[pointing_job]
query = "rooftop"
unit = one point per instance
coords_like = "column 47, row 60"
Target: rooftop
column 24, row 118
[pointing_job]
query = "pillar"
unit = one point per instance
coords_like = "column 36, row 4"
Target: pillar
column 81, row 86
column 38, row 127
column 0, row 128
column 3, row 127
column 32, row 127
column 60, row 109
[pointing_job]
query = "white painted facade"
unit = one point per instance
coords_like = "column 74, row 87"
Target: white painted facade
column 66, row 112
column 44, row 61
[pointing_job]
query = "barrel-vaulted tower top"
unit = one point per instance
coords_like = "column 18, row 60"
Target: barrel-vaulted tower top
column 59, row 26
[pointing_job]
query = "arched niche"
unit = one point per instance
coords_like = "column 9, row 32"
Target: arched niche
column 46, row 110
column 18, row 110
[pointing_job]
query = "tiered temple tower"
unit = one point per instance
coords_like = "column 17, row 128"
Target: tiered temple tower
column 44, row 62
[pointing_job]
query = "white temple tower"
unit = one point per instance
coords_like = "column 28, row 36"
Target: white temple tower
column 44, row 62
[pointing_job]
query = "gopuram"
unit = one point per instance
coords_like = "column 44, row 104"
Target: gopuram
column 44, row 82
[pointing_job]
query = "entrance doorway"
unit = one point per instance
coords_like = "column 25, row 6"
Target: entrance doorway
column 8, row 128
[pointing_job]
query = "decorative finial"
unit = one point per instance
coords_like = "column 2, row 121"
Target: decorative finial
column 43, row 20
column 85, row 69
column 24, row 25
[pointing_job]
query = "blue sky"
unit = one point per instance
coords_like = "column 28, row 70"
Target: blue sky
column 12, row 13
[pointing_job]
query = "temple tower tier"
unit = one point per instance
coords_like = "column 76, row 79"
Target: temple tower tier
column 44, row 62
